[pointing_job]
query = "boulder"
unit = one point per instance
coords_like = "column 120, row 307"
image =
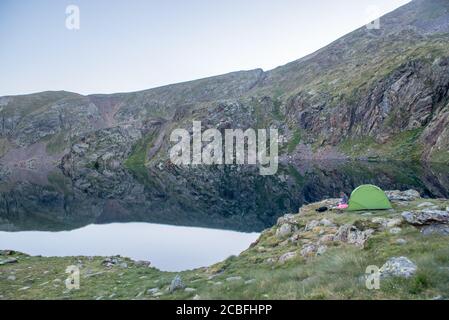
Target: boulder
column 326, row 223
column 425, row 204
column 327, row 238
column 395, row 230
column 387, row 223
column 112, row 261
column 441, row 229
column 398, row 267
column 408, row 195
column 152, row 291
column 321, row 250
column 308, row 250
column 311, row 225
column 7, row 252
column 176, row 284
column 287, row 256
column 284, row 230
column 142, row 263
column 352, row 235
column 426, row 217
column 8, row 261
column 235, row 278
column 288, row 218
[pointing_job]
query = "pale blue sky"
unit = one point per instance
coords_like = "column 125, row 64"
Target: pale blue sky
column 135, row 44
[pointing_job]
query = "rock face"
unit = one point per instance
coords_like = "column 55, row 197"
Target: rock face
column 398, row 267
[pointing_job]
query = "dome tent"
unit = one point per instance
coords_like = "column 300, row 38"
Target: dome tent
column 368, row 197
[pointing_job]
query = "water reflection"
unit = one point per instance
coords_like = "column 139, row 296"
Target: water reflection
column 222, row 198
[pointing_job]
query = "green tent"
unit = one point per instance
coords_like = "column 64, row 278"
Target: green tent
column 368, row 197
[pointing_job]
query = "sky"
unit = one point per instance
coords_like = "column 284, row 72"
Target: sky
column 133, row 45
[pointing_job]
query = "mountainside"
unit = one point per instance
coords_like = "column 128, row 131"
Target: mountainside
column 373, row 94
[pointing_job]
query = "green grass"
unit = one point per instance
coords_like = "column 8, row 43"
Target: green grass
column 56, row 143
column 294, row 141
column 440, row 156
column 403, row 146
column 60, row 182
column 4, row 146
column 136, row 161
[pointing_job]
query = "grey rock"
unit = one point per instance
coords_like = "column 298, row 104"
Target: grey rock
column 308, row 250
column 284, row 230
column 235, row 278
column 11, row 278
column 24, row 288
column 398, row 267
column 189, row 289
column 321, row 250
column 441, row 229
column 8, row 261
column 311, row 225
column 352, row 235
column 327, row 238
column 327, row 223
column 395, row 222
column 270, row 260
column 288, row 218
column 287, row 256
column 176, row 284
column 425, row 204
column 425, row 217
column 395, row 230
column 7, row 252
column 408, row 195
column 401, row 241
column 152, row 291
column 142, row 263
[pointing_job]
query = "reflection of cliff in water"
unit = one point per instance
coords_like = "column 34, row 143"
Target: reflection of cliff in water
column 237, row 199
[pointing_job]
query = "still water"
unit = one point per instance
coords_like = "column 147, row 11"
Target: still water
column 169, row 248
